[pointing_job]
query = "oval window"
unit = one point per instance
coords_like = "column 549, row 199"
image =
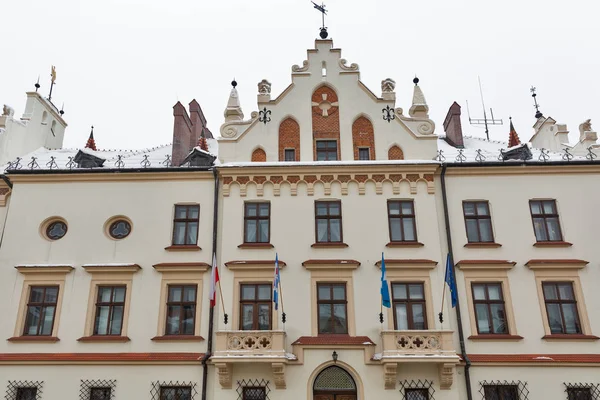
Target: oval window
column 56, row 230
column 119, row 229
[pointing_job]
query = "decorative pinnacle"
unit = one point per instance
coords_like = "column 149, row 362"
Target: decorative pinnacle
column 62, row 110
column 37, row 84
column 538, row 113
column 234, row 82
column 416, row 81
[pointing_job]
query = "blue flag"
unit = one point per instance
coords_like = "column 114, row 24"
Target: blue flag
column 450, row 281
column 276, row 283
column 385, row 291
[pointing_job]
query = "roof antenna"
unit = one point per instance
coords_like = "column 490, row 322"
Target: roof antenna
column 485, row 120
column 323, row 11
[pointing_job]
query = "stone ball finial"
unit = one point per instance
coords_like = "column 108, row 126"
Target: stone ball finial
column 234, row 82
column 323, row 33
column 416, row 81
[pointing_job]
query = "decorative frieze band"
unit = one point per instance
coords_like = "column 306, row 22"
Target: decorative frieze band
column 327, row 180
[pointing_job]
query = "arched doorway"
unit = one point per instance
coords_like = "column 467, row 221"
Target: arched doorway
column 334, row 383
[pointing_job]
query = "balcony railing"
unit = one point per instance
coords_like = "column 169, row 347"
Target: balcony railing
column 421, row 342
column 250, row 343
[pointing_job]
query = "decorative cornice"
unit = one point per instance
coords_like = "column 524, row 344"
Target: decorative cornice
column 310, row 178
column 182, row 267
column 556, row 264
column 165, row 174
column 241, row 265
column 44, row 269
column 523, row 169
column 112, row 268
column 407, row 263
column 330, row 264
column 485, row 264
column 101, row 358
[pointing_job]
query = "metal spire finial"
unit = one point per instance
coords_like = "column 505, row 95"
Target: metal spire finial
column 37, row 84
column 538, row 113
column 52, row 80
column 323, row 11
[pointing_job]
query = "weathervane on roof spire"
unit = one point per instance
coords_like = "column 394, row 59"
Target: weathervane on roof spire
column 52, row 80
column 323, row 11
column 538, row 113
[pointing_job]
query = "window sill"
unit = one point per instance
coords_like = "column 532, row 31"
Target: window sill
column 570, row 337
column 183, row 247
column 178, row 338
column 334, row 245
column 495, row 337
column 103, row 338
column 553, row 244
column 404, row 244
column 255, row 246
column 30, row 339
column 483, row 245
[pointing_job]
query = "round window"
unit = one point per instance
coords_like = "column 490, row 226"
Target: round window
column 119, row 229
column 56, row 230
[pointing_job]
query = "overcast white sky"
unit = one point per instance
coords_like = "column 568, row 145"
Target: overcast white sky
column 122, row 64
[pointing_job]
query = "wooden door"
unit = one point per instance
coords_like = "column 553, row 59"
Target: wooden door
column 345, row 397
column 324, row 397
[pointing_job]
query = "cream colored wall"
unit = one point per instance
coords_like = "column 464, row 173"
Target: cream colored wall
column 509, row 196
column 86, row 206
column 365, row 230
column 132, row 381
column 29, row 133
column 354, row 101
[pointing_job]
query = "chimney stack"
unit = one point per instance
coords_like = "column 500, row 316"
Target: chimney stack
column 187, row 130
column 453, row 128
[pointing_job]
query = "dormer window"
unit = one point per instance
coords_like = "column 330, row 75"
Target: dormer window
column 87, row 160
column 327, row 150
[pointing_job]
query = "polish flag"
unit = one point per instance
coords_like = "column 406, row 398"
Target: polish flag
column 214, row 278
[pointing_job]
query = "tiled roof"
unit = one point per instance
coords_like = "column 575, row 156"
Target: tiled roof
column 535, row 358
column 100, row 357
column 334, row 340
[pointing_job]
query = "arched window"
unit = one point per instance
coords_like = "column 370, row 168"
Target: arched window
column 334, row 382
column 363, row 139
column 325, row 124
column 259, row 155
column 45, row 118
column 395, row 153
column 289, row 140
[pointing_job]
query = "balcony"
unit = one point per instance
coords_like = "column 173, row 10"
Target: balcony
column 428, row 346
column 234, row 347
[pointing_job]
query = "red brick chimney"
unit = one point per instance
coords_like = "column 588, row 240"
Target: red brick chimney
column 452, row 126
column 187, row 130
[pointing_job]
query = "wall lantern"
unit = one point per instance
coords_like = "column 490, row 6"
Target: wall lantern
column 334, row 356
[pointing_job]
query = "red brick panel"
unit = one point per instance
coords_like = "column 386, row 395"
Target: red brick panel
column 325, row 127
column 363, row 136
column 259, row 155
column 289, row 138
column 395, row 153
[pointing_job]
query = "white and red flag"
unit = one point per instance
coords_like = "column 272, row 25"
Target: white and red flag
column 214, row 279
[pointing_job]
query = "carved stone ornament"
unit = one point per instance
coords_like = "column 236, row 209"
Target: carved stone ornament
column 345, row 67
column 264, row 87
column 303, row 68
column 586, row 126
column 229, row 129
column 8, row 111
column 279, row 375
column 389, row 372
column 446, row 375
column 388, row 85
column 224, row 371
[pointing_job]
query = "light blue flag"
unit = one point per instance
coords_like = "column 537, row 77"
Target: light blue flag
column 385, row 291
column 276, row 283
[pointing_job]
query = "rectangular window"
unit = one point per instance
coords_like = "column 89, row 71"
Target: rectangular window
column 181, row 310
column 561, row 308
column 26, row 394
column 501, row 392
column 409, row 306
column 185, row 225
column 175, row 393
column 489, row 308
column 110, row 305
column 255, row 307
column 416, row 394
column 478, row 222
column 100, row 393
column 402, row 223
column 257, row 221
column 254, row 393
column 579, row 393
column 289, row 155
column 545, row 220
column 327, row 150
column 41, row 309
column 328, row 221
column 332, row 308
column 363, row 153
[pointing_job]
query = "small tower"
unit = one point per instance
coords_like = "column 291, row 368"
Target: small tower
column 91, row 143
column 202, row 143
column 419, row 108
column 513, row 138
column 233, row 112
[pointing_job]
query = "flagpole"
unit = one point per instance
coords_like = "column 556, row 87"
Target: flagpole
column 283, row 319
column 225, row 316
column 441, row 314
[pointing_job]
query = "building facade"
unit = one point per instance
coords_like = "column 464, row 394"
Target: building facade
column 111, row 297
